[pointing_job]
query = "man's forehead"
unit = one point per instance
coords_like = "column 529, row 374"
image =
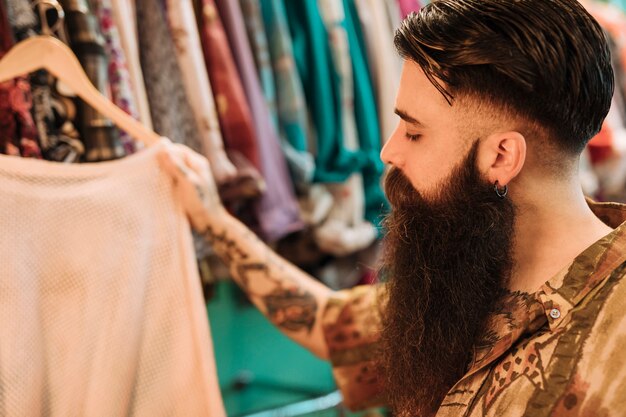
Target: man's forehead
column 417, row 95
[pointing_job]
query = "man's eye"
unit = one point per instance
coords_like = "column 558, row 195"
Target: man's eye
column 412, row 138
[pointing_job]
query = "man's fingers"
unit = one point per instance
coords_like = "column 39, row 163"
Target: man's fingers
column 173, row 164
column 168, row 165
column 200, row 166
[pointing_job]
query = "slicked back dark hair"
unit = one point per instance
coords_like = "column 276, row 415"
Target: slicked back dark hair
column 545, row 61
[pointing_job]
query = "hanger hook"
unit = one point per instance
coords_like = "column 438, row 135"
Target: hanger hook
column 43, row 6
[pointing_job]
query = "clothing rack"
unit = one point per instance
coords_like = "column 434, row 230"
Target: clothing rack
column 323, row 403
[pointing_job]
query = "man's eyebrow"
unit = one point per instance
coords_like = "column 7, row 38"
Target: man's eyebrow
column 409, row 119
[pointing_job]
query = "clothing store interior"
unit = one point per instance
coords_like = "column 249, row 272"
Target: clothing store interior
column 110, row 301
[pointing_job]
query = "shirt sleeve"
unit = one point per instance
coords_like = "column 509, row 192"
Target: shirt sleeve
column 352, row 323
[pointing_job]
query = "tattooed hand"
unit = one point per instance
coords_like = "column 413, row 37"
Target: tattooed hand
column 194, row 183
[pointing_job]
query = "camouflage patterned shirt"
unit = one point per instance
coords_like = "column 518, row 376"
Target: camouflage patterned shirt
column 558, row 352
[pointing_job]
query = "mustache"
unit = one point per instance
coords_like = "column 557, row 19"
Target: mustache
column 399, row 189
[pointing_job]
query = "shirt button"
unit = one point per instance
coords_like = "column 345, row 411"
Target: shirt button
column 555, row 313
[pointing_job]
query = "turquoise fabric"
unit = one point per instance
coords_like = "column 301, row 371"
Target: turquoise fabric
column 334, row 163
column 291, row 104
column 366, row 117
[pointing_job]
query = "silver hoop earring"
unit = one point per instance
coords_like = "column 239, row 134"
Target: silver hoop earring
column 501, row 192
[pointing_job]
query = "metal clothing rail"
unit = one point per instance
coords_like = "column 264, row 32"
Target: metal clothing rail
column 323, row 403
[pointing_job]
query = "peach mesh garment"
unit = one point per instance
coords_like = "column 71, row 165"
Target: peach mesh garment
column 101, row 312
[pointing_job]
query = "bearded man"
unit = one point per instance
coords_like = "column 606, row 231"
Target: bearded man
column 503, row 291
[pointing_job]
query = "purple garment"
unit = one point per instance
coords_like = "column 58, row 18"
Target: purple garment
column 408, row 6
column 277, row 210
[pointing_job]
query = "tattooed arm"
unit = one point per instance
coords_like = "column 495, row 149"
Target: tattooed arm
column 287, row 296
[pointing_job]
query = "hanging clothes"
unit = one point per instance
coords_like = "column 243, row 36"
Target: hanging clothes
column 257, row 37
column 366, row 118
column 301, row 164
column 293, row 121
column 18, row 135
column 100, row 137
column 8, row 127
column 54, row 113
column 384, row 63
column 240, row 139
column 607, row 150
column 277, row 209
column 182, row 24
column 107, row 317
column 119, row 77
column 334, row 163
column 291, row 105
column 169, row 107
column 409, row 6
column 232, row 108
column 21, row 17
column 126, row 22
column 613, row 21
column 346, row 217
column 394, row 13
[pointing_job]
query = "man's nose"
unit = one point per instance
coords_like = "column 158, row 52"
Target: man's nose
column 391, row 153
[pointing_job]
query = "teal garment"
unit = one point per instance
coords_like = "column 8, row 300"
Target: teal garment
column 334, row 163
column 366, row 118
column 291, row 107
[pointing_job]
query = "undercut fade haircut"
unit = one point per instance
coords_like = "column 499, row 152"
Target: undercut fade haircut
column 544, row 61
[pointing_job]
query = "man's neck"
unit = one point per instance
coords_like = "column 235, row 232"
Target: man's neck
column 549, row 234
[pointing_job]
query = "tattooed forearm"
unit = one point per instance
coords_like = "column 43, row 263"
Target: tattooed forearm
column 288, row 305
column 292, row 309
column 225, row 247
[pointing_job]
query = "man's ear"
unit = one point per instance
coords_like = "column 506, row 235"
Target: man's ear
column 502, row 156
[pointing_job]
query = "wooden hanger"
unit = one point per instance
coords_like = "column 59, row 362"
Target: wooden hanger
column 49, row 53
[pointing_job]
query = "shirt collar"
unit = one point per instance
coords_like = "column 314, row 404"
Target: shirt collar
column 592, row 267
column 521, row 313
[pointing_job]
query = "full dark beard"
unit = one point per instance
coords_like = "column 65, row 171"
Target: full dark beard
column 447, row 261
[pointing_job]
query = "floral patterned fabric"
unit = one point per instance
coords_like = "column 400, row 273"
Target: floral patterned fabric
column 119, row 77
column 18, row 135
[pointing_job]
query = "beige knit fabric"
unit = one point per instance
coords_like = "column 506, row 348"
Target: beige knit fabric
column 101, row 312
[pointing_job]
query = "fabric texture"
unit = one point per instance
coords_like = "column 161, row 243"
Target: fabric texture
column 169, row 106
column 277, row 209
column 100, row 137
column 8, row 127
column 384, row 63
column 119, row 77
column 18, row 134
column 234, row 113
column 366, row 116
column 334, row 163
column 54, row 114
column 21, row 16
column 553, row 353
column 182, row 23
column 344, row 231
column 291, row 105
column 101, row 304
column 257, row 36
column 126, row 22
